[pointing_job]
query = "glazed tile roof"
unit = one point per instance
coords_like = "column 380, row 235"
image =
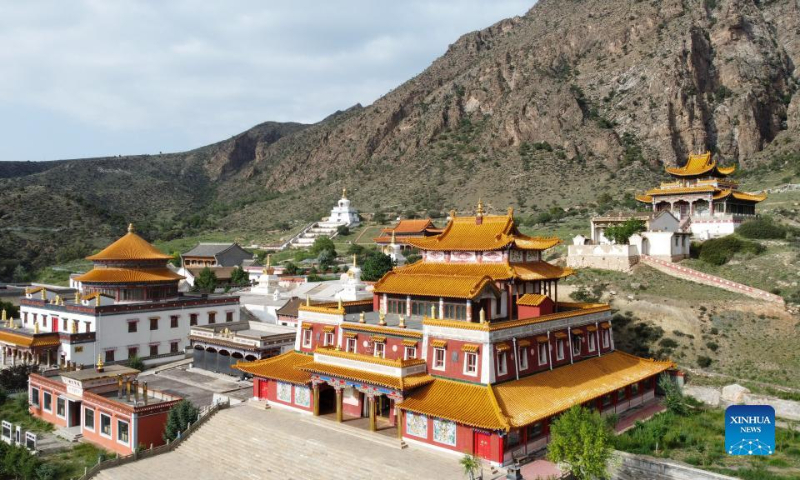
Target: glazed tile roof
column 681, row 190
column 700, row 164
column 497, row 271
column 493, row 233
column 531, row 299
column 434, row 285
column 128, row 275
column 465, row 403
column 408, row 382
column 644, row 198
column 751, row 197
column 284, row 367
column 533, row 398
column 29, row 340
column 410, row 226
column 130, row 247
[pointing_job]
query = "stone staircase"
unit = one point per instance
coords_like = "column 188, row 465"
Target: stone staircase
column 71, row 434
column 243, row 442
column 685, row 273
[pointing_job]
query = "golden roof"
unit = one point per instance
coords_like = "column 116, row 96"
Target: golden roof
column 681, row 190
column 439, row 343
column 493, row 233
column 750, row 197
column 497, row 271
column 465, row 403
column 128, row 275
column 398, row 383
column 284, row 367
column 470, row 347
column 644, row 198
column 434, row 285
column 28, row 341
column 531, row 299
column 410, row 226
column 699, row 164
column 130, row 247
column 542, row 395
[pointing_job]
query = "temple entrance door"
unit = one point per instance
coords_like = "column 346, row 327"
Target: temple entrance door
column 264, row 388
column 483, row 445
column 383, row 406
column 74, row 414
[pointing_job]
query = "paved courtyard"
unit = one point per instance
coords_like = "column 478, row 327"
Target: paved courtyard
column 246, row 442
column 197, row 386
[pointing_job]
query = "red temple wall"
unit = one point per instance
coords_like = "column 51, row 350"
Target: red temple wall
column 452, row 369
column 150, row 428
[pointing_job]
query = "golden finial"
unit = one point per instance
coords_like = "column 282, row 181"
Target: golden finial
column 99, row 363
column 433, row 311
column 402, row 323
column 36, row 328
column 510, row 211
column 27, row 291
column 344, row 192
column 78, row 297
column 452, row 214
column 381, row 319
column 44, row 294
column 4, row 315
column 361, row 318
column 479, row 210
column 97, row 300
column 74, row 326
column 341, row 307
column 392, row 237
column 355, row 260
column 308, row 301
column 269, row 260
column 130, row 228
column 482, row 316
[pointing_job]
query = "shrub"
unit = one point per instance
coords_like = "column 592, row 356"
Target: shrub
column 581, row 441
column 719, row 251
column 703, row 361
column 668, row 343
column 712, row 346
column 620, row 234
column 136, row 363
column 179, row 418
column 762, row 228
column 673, row 397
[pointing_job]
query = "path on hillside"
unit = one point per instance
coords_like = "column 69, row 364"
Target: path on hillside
column 245, row 442
column 691, row 275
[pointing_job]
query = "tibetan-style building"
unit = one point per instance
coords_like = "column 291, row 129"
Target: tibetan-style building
column 467, row 350
column 127, row 305
column 702, row 195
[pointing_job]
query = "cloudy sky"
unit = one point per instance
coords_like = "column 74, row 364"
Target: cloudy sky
column 96, row 77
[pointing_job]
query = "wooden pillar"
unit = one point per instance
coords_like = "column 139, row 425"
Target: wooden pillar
column 555, row 299
column 339, row 395
column 373, row 426
column 315, row 390
column 399, row 422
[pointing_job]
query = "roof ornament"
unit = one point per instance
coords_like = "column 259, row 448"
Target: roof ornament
column 510, row 211
column 78, row 297
column 97, row 300
column 392, row 237
column 44, row 294
column 99, row 363
column 354, row 260
column 308, row 301
column 382, row 319
column 130, row 228
column 482, row 316
column 361, row 318
column 36, row 328
column 4, row 318
column 433, row 311
column 339, row 305
column 402, row 323
column 344, row 193
column 479, row 210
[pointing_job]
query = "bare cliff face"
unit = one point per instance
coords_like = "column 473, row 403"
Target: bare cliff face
column 573, row 98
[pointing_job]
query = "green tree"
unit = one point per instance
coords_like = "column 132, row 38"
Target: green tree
column 239, row 276
column 355, row 249
column 136, row 362
column 179, row 418
column 176, row 259
column 673, row 397
column 291, row 268
column 581, row 440
column 326, row 259
column 343, row 230
column 375, row 266
column 206, row 281
column 620, row 234
column 321, row 244
column 471, row 465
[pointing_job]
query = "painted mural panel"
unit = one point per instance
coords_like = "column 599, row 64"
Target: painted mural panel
column 444, row 431
column 285, row 392
column 417, row 425
column 302, row 396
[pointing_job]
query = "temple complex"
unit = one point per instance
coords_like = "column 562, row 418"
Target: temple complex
column 703, row 197
column 467, row 350
column 127, row 305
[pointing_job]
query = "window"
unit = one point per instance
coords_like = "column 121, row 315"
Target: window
column 535, row 430
column 423, row 308
column 105, row 425
column 173, row 321
column 109, row 356
column 523, row 358
column 621, row 394
column 192, row 319
column 173, row 347
column 328, row 340
column 153, row 350
column 607, row 400
column 212, row 317
column 438, row 358
column 502, row 363
column 61, row 407
column 133, row 326
column 87, row 327
column 592, row 342
column 34, row 397
column 133, row 352
column 44, row 321
column 307, row 338
column 396, row 306
column 48, row 402
column 409, row 353
column 543, row 353
column 559, row 349
column 470, row 363
column 455, row 312
column 228, row 316
column 122, row 432
column 88, row 419
column 380, row 349
column 634, row 389
column 605, row 338
column 576, row 345
column 64, row 327
column 154, row 324
column 351, row 344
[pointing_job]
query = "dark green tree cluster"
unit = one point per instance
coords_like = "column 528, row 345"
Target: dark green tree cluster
column 375, row 266
column 620, row 234
column 719, row 251
column 581, row 441
column 136, row 363
column 179, row 418
column 206, row 282
column 762, row 228
column 19, row 463
column 239, row 277
column 16, row 377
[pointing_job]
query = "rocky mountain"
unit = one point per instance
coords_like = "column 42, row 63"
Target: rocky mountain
column 574, row 98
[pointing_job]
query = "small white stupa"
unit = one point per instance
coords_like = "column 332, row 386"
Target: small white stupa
column 354, row 289
column 343, row 213
column 395, row 251
column 268, row 281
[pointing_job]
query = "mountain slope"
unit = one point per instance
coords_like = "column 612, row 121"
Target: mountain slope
column 575, row 98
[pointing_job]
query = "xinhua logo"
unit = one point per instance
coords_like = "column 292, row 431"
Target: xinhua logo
column 750, row 430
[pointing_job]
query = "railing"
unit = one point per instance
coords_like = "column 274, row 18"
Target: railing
column 205, row 413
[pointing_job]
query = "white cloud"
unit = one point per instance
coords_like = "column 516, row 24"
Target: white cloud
column 141, row 77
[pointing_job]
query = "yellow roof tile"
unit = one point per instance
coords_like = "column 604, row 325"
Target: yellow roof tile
column 29, row 340
column 503, row 347
column 128, row 275
column 699, row 164
column 439, row 343
column 130, row 247
column 542, row 395
column 434, row 285
column 410, row 226
column 751, row 197
column 465, row 403
column 681, row 190
column 497, row 271
column 283, row 368
column 468, row 347
column 493, row 233
column 410, row 343
column 399, row 383
column 644, row 198
column 531, row 299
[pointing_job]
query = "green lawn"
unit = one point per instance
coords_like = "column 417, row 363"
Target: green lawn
column 699, row 439
column 15, row 410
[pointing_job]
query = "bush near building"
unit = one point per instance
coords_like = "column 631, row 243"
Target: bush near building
column 581, row 441
column 719, row 251
column 762, row 228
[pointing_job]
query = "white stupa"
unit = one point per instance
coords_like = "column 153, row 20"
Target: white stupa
column 343, row 213
column 268, row 281
column 395, row 251
column 354, row 289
